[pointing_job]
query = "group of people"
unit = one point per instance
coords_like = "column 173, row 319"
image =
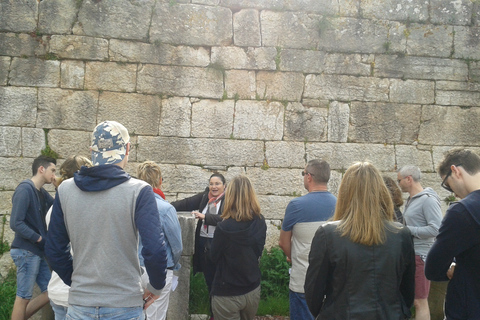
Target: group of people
column 113, row 241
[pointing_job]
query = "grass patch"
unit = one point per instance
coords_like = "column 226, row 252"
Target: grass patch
column 274, row 306
column 199, row 302
column 8, row 290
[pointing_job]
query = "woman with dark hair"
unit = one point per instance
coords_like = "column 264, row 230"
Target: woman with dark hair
column 236, row 249
column 362, row 264
column 207, row 207
column 396, row 194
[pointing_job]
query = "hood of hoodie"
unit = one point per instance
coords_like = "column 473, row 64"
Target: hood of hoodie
column 100, row 178
column 245, row 233
column 427, row 191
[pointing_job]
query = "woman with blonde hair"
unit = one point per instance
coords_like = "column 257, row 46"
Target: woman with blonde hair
column 361, row 265
column 236, row 249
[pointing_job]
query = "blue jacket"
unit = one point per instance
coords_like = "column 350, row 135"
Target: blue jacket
column 459, row 239
column 28, row 218
column 172, row 231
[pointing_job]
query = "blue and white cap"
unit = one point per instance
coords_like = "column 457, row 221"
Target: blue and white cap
column 109, row 143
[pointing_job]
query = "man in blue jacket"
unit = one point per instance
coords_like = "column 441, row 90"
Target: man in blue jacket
column 30, row 203
column 101, row 212
column 455, row 255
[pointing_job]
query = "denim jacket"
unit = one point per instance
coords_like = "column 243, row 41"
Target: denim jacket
column 172, row 231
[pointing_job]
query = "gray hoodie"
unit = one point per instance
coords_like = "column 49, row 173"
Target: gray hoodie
column 423, row 216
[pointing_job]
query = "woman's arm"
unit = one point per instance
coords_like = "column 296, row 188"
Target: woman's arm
column 188, row 204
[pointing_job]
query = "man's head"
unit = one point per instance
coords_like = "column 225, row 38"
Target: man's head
column 44, row 167
column 110, row 143
column 458, row 171
column 317, row 172
column 408, row 177
column 150, row 172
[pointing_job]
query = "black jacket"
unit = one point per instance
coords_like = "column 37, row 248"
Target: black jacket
column 199, row 202
column 347, row 280
column 236, row 250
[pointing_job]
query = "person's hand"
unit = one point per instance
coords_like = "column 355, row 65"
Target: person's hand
column 39, row 239
column 198, row 215
column 450, row 271
column 148, row 298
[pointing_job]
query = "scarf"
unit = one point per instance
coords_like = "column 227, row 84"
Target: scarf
column 159, row 192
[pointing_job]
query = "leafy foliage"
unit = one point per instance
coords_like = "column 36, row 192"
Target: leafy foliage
column 199, row 302
column 275, row 276
column 8, row 289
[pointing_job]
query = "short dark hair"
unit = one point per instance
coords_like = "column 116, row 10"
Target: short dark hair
column 469, row 161
column 42, row 161
column 320, row 170
column 218, row 175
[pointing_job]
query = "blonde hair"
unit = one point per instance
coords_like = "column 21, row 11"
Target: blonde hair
column 241, row 202
column 150, row 172
column 364, row 204
column 71, row 165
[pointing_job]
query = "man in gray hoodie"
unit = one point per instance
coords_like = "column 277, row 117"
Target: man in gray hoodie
column 423, row 216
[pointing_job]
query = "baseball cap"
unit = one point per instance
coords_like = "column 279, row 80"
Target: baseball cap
column 109, row 143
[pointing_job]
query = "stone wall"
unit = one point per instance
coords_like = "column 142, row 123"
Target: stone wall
column 240, row 86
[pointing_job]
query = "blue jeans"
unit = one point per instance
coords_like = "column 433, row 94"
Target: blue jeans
column 103, row 313
column 298, row 307
column 60, row 311
column 30, row 269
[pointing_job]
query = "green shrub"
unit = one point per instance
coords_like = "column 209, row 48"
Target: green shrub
column 199, row 302
column 8, row 290
column 275, row 276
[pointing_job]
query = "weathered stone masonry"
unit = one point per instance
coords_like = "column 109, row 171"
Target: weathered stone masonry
column 240, row 86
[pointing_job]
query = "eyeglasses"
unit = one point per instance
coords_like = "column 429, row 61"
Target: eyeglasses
column 304, row 173
column 444, row 184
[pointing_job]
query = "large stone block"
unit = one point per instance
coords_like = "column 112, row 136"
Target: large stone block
column 10, row 143
column 121, row 19
column 18, row 106
column 13, row 171
column 451, row 93
column 21, row 44
column 4, row 68
column 67, row 109
column 258, row 120
column 33, row 141
column 199, row 25
column 69, row 142
column 244, row 58
column 258, row 4
column 348, row 64
column 240, row 84
column 187, row 224
column 179, row 299
column 412, row 155
column 406, row 67
column 110, row 76
column 459, row 126
column 35, row 72
column 132, row 51
column 285, row 154
column 5, row 203
column 416, row 10
column 438, row 153
column 175, row 117
column 276, row 181
column 384, row 123
column 346, row 88
column 473, row 72
column 57, row 16
column 466, row 43
column 289, row 29
column 280, row 85
column 306, row 123
column 429, row 40
column 213, row 118
column 273, row 233
column 79, row 47
column 139, row 113
column 199, row 151
column 451, row 12
column 19, row 15
column 338, row 121
column 307, row 61
column 273, row 207
column 246, row 28
column 72, row 74
column 180, row 81
column 412, row 91
column 340, row 156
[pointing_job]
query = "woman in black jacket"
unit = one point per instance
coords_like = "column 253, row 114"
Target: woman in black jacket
column 207, row 207
column 236, row 249
column 361, row 265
